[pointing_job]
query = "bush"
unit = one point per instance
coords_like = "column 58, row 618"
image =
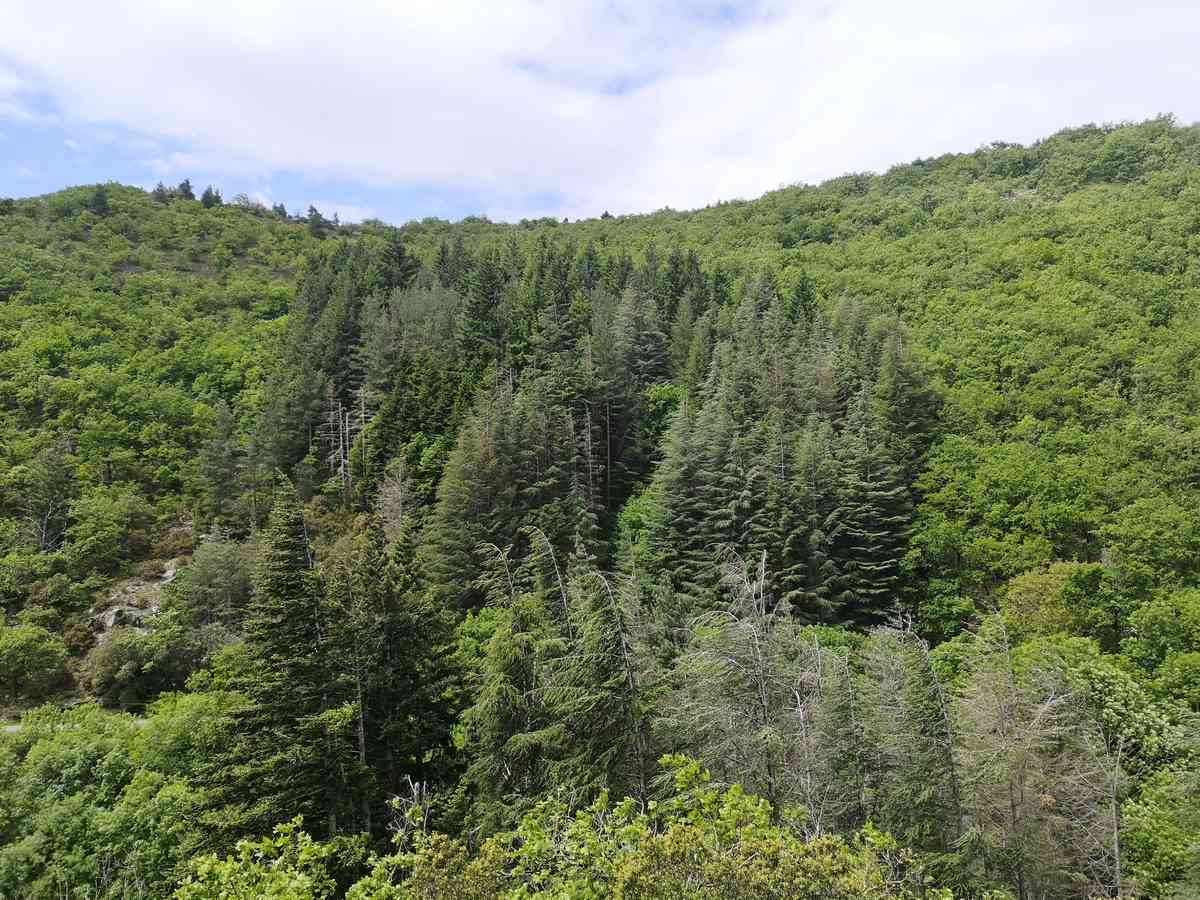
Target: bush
column 702, row 842
column 32, row 661
column 111, row 521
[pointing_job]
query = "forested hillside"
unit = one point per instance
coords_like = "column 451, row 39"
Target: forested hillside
column 840, row 543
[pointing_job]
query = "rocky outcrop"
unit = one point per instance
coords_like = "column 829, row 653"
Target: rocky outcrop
column 132, row 601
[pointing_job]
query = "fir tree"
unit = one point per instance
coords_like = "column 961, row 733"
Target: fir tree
column 220, row 463
column 289, row 748
column 99, row 202
column 595, row 694
column 511, row 738
column 869, row 527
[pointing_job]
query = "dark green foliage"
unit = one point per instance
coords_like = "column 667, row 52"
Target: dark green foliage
column 99, row 201
column 210, row 198
column 787, row 451
column 220, row 466
column 391, row 655
column 290, row 745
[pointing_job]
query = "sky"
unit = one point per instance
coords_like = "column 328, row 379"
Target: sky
column 401, row 109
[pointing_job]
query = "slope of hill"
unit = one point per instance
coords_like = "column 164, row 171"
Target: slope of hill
column 879, row 497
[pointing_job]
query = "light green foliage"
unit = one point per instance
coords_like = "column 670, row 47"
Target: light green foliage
column 32, row 662
column 289, row 865
column 1166, row 625
column 1068, row 598
column 700, row 842
column 111, row 524
column 119, row 334
column 98, row 804
column 1161, row 830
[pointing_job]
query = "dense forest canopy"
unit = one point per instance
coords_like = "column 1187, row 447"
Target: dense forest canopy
column 839, row 543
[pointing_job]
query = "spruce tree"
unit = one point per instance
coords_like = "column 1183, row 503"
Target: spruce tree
column 913, row 786
column 392, row 659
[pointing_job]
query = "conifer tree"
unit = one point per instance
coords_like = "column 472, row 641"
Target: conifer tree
column 289, row 748
column 391, row 658
column 595, row 693
column 480, row 319
column 220, row 465
column 1036, row 786
column 914, row 782
column 511, row 738
column 99, row 202
column 809, row 578
column 735, row 686
column 869, row 527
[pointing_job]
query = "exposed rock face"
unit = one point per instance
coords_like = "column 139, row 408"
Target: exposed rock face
column 120, row 615
column 132, row 601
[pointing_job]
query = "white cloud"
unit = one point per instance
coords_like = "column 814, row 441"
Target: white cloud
column 609, row 105
column 346, row 212
column 72, row 145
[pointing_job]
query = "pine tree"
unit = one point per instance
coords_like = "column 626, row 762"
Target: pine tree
column 480, row 324
column 318, row 225
column 640, row 328
column 452, row 264
column 477, row 499
column 1037, row 785
column 735, row 687
column 682, row 332
column 809, row 577
column 511, row 738
column 210, row 198
column 184, row 190
column 392, row 268
column 392, row 658
column 160, row 193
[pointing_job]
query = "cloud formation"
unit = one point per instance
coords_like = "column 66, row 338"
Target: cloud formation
column 573, row 107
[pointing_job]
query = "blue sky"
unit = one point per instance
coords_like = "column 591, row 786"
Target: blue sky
column 567, row 108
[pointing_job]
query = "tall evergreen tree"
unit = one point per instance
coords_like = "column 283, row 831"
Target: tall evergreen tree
column 596, row 695
column 220, row 464
column 869, row 527
column 290, row 746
